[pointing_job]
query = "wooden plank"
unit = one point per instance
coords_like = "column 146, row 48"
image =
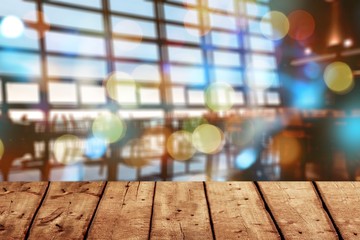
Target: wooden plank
column 238, row 212
column 67, row 210
column 180, row 211
column 18, row 204
column 298, row 210
column 124, row 211
column 343, row 202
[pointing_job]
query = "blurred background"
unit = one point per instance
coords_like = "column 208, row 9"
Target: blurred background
column 181, row 90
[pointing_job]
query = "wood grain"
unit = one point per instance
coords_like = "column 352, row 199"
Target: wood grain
column 180, row 211
column 124, row 211
column 238, row 211
column 343, row 202
column 18, row 204
column 297, row 210
column 67, row 210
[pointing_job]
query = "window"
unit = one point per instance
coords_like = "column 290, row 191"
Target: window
column 23, row 93
column 62, row 93
column 172, row 55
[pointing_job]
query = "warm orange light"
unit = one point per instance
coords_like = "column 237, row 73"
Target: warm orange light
column 302, row 25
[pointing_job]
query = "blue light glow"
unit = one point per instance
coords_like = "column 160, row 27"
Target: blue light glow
column 246, row 159
column 312, row 70
column 95, row 148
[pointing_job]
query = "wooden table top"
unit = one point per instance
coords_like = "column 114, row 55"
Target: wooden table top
column 180, row 210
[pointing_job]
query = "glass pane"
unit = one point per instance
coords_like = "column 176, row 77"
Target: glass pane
column 24, row 64
column 230, row 59
column 256, row 10
column 185, row 55
column 134, row 27
column 239, row 98
column 262, row 79
column 261, row 44
column 179, row 14
column 92, row 95
column 85, row 3
column 76, row 68
column 20, row 8
column 149, row 96
column 75, row 44
column 223, row 21
column 140, row 72
column 224, row 5
column 258, row 61
column 178, row 95
column 126, row 94
column 64, row 93
column 181, row 34
column 133, row 7
column 23, row 93
column 129, row 49
column 196, row 97
column 233, row 77
column 22, row 41
column 273, row 98
column 71, row 18
column 187, row 75
column 224, row 39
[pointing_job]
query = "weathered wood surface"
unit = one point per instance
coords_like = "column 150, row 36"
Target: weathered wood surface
column 343, row 202
column 238, row 212
column 298, row 210
column 124, row 211
column 18, row 204
column 180, row 211
column 67, row 210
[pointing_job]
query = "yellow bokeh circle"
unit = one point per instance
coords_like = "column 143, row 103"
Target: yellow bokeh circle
column 208, row 139
column 2, row 148
column 115, row 81
column 68, row 149
column 339, row 78
column 279, row 25
column 134, row 153
column 179, row 145
column 219, row 96
column 109, row 127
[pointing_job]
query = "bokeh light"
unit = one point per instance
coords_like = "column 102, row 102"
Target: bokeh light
column 109, row 127
column 116, row 81
column 219, row 96
column 208, row 138
column 279, row 23
column 302, row 25
column 133, row 154
column 95, row 147
column 339, row 78
column 246, row 159
column 68, row 149
column 11, row 27
column 348, row 43
column 179, row 145
column 312, row 70
column 288, row 148
column 2, row 148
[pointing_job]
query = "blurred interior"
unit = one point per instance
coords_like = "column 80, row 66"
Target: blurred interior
column 180, row 90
